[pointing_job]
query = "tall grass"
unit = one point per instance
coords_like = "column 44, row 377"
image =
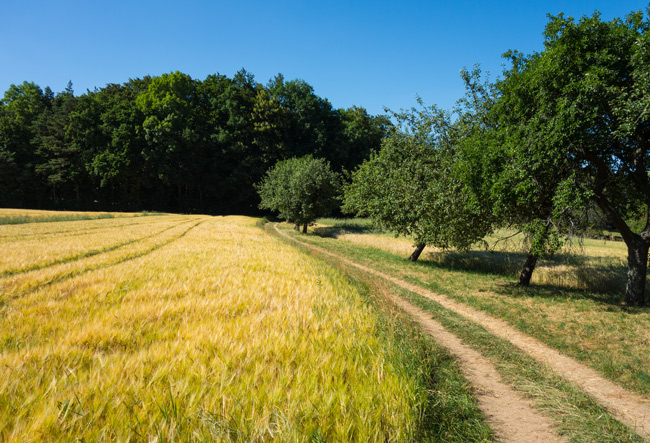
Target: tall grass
column 222, row 333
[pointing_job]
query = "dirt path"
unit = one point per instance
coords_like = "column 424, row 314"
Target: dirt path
column 511, row 416
column 628, row 407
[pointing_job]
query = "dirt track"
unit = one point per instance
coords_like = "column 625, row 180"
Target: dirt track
column 628, row 407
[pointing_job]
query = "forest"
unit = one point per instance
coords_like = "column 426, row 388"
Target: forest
column 169, row 143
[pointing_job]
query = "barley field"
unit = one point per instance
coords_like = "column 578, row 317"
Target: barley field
column 10, row 216
column 187, row 328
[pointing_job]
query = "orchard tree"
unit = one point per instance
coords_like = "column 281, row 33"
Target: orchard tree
column 300, row 190
column 413, row 187
column 581, row 107
column 493, row 158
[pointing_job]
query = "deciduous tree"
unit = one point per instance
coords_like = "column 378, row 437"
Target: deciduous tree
column 581, row 108
column 300, row 190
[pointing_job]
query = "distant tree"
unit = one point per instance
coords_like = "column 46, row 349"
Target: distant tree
column 21, row 107
column 362, row 135
column 169, row 142
column 577, row 116
column 59, row 158
column 169, row 128
column 300, row 190
column 312, row 125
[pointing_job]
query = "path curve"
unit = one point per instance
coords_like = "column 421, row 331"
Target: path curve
column 630, row 408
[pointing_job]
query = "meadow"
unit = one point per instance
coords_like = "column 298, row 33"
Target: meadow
column 178, row 328
column 575, row 301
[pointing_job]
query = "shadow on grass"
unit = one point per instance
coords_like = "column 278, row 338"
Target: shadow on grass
column 614, row 301
column 562, row 277
column 342, row 228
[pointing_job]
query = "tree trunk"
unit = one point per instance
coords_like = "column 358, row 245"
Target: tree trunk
column 637, row 266
column 304, row 228
column 637, row 253
column 417, row 252
column 296, row 227
column 527, row 272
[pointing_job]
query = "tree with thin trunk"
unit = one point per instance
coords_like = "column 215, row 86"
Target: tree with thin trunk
column 300, row 189
column 413, row 187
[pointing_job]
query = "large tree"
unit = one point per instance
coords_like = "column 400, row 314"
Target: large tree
column 19, row 110
column 582, row 107
column 414, row 187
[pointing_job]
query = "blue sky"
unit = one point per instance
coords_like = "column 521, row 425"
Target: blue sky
column 366, row 53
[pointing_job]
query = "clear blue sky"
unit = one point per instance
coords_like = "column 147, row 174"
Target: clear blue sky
column 366, row 53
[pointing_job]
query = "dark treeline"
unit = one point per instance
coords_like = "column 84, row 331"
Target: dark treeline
column 169, row 143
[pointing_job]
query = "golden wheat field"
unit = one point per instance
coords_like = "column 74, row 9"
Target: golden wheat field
column 187, row 328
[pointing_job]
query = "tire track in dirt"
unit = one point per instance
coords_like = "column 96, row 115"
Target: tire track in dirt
column 628, row 407
column 511, row 416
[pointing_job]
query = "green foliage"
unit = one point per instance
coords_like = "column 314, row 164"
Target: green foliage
column 169, row 143
column 19, row 110
column 573, row 113
column 300, row 189
column 572, row 126
column 413, row 186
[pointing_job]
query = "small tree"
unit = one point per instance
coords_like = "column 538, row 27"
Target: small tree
column 300, row 190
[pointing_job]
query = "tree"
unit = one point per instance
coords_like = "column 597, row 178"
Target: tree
column 21, row 106
column 492, row 158
column 58, row 157
column 580, row 107
column 168, row 106
column 413, row 186
column 362, row 135
column 300, row 189
column 312, row 127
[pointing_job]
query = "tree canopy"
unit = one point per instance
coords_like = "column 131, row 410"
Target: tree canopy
column 413, row 186
column 300, row 190
column 564, row 134
column 576, row 120
column 169, row 143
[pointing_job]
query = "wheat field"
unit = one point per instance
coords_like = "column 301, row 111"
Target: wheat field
column 187, row 328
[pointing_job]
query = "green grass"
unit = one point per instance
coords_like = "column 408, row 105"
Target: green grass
column 592, row 326
column 576, row 415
